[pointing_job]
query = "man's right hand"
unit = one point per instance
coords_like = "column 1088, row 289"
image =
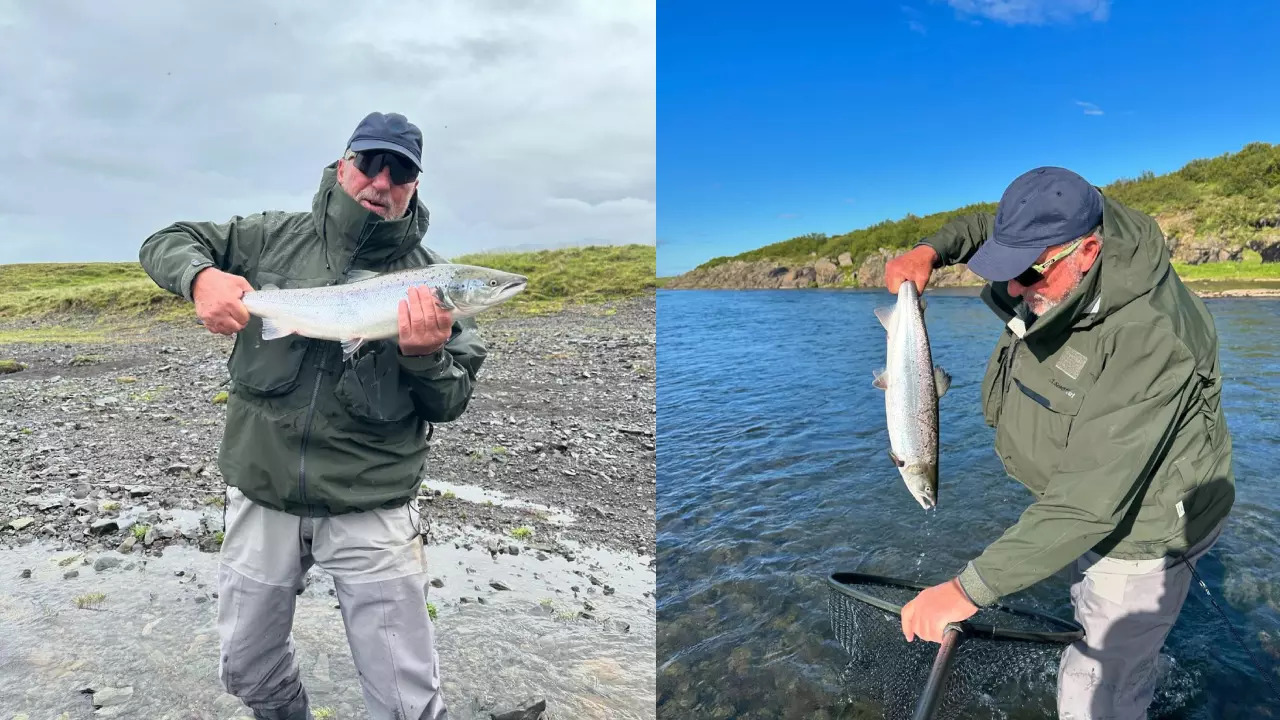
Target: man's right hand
column 217, row 297
column 915, row 265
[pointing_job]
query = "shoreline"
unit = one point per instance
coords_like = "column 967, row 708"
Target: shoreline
column 973, row 290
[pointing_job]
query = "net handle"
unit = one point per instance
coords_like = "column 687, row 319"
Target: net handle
column 1070, row 632
column 932, row 693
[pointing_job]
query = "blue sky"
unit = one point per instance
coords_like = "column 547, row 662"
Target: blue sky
column 775, row 120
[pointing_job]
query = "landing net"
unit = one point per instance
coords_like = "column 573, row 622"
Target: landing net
column 1005, row 662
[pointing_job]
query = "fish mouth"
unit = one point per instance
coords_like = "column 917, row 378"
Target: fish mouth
column 511, row 289
column 922, row 482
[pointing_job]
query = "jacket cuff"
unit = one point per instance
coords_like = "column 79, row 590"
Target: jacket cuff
column 978, row 591
column 428, row 365
column 939, row 261
column 189, row 277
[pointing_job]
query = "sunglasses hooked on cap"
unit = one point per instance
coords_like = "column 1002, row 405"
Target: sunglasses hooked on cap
column 1041, row 208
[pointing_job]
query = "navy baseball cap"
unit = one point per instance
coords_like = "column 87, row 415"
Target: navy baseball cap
column 1041, row 208
column 390, row 131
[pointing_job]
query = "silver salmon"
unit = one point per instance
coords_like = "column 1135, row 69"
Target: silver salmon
column 912, row 386
column 368, row 307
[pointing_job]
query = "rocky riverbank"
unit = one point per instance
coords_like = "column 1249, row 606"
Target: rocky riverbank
column 113, row 445
column 823, row 273
column 817, row 272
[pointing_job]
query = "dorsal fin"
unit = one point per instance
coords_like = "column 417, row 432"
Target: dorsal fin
column 358, row 275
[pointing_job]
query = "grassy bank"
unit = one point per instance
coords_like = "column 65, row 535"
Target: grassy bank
column 1232, row 199
column 52, row 301
column 1248, row 269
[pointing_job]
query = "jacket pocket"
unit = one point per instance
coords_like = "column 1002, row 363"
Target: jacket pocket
column 1035, row 425
column 267, row 367
column 371, row 389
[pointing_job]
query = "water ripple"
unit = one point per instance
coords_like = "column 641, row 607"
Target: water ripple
column 772, row 473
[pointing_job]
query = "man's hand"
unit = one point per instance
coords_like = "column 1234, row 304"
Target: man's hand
column 424, row 325
column 928, row 613
column 217, row 297
column 915, row 265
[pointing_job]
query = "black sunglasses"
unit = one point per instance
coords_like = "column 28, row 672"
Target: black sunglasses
column 371, row 163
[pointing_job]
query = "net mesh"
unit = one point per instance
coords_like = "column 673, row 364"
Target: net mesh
column 988, row 677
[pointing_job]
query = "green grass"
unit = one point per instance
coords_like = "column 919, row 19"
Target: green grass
column 121, row 297
column 1250, row 268
column 575, row 275
column 89, row 600
column 1233, row 197
column 431, row 611
column 116, row 289
column 522, row 533
column 140, row 531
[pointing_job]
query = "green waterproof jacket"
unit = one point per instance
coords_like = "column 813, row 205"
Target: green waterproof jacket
column 1108, row 408
column 305, row 432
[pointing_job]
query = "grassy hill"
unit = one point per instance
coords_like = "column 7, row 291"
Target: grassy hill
column 42, row 293
column 1231, row 201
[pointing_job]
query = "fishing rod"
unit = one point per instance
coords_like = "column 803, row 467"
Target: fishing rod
column 1232, row 628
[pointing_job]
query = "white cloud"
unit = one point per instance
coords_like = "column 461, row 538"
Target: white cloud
column 538, row 117
column 913, row 19
column 1089, row 108
column 1034, row 12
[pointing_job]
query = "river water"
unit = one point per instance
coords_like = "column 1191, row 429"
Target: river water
column 773, row 473
column 148, row 646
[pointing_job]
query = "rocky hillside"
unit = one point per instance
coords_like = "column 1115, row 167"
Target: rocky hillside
column 1217, row 210
column 816, row 272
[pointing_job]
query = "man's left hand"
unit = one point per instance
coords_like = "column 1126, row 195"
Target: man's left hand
column 424, row 325
column 928, row 613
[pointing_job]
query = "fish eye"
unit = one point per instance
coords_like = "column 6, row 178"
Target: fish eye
column 493, row 283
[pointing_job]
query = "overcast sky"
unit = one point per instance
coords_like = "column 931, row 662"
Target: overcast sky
column 119, row 118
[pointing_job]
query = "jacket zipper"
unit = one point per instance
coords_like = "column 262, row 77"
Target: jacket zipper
column 1008, row 368
column 315, row 389
column 306, row 434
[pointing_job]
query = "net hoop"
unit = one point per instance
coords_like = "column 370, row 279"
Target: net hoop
column 1069, row 633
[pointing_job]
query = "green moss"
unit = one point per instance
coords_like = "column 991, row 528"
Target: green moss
column 89, row 600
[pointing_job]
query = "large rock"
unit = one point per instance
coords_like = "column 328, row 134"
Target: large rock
column 845, row 259
column 871, row 272
column 1268, row 248
column 801, row 277
column 827, row 273
column 1196, row 253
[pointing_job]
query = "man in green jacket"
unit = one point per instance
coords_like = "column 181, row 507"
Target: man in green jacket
column 1104, row 390
column 322, row 457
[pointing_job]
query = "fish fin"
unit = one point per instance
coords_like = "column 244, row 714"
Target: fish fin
column 882, row 379
column 941, row 380
column 894, row 458
column 350, row 346
column 358, row 275
column 444, row 299
column 885, row 314
column 270, row 286
column 271, row 329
